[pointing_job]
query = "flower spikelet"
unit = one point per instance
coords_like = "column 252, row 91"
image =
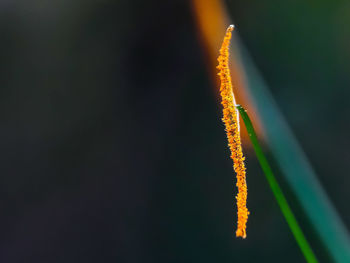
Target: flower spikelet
column 231, row 121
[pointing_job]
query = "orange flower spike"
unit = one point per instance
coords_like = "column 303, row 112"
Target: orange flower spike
column 231, row 121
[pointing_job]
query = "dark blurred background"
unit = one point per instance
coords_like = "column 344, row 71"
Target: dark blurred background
column 111, row 142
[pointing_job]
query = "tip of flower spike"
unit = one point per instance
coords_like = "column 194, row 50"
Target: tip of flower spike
column 230, row 28
column 241, row 233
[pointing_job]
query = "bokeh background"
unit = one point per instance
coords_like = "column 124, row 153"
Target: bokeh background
column 112, row 147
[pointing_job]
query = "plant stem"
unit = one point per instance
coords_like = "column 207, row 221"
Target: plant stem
column 277, row 191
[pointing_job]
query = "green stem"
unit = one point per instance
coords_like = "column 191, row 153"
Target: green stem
column 277, row 191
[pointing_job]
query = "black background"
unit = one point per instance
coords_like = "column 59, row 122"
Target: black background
column 111, row 142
